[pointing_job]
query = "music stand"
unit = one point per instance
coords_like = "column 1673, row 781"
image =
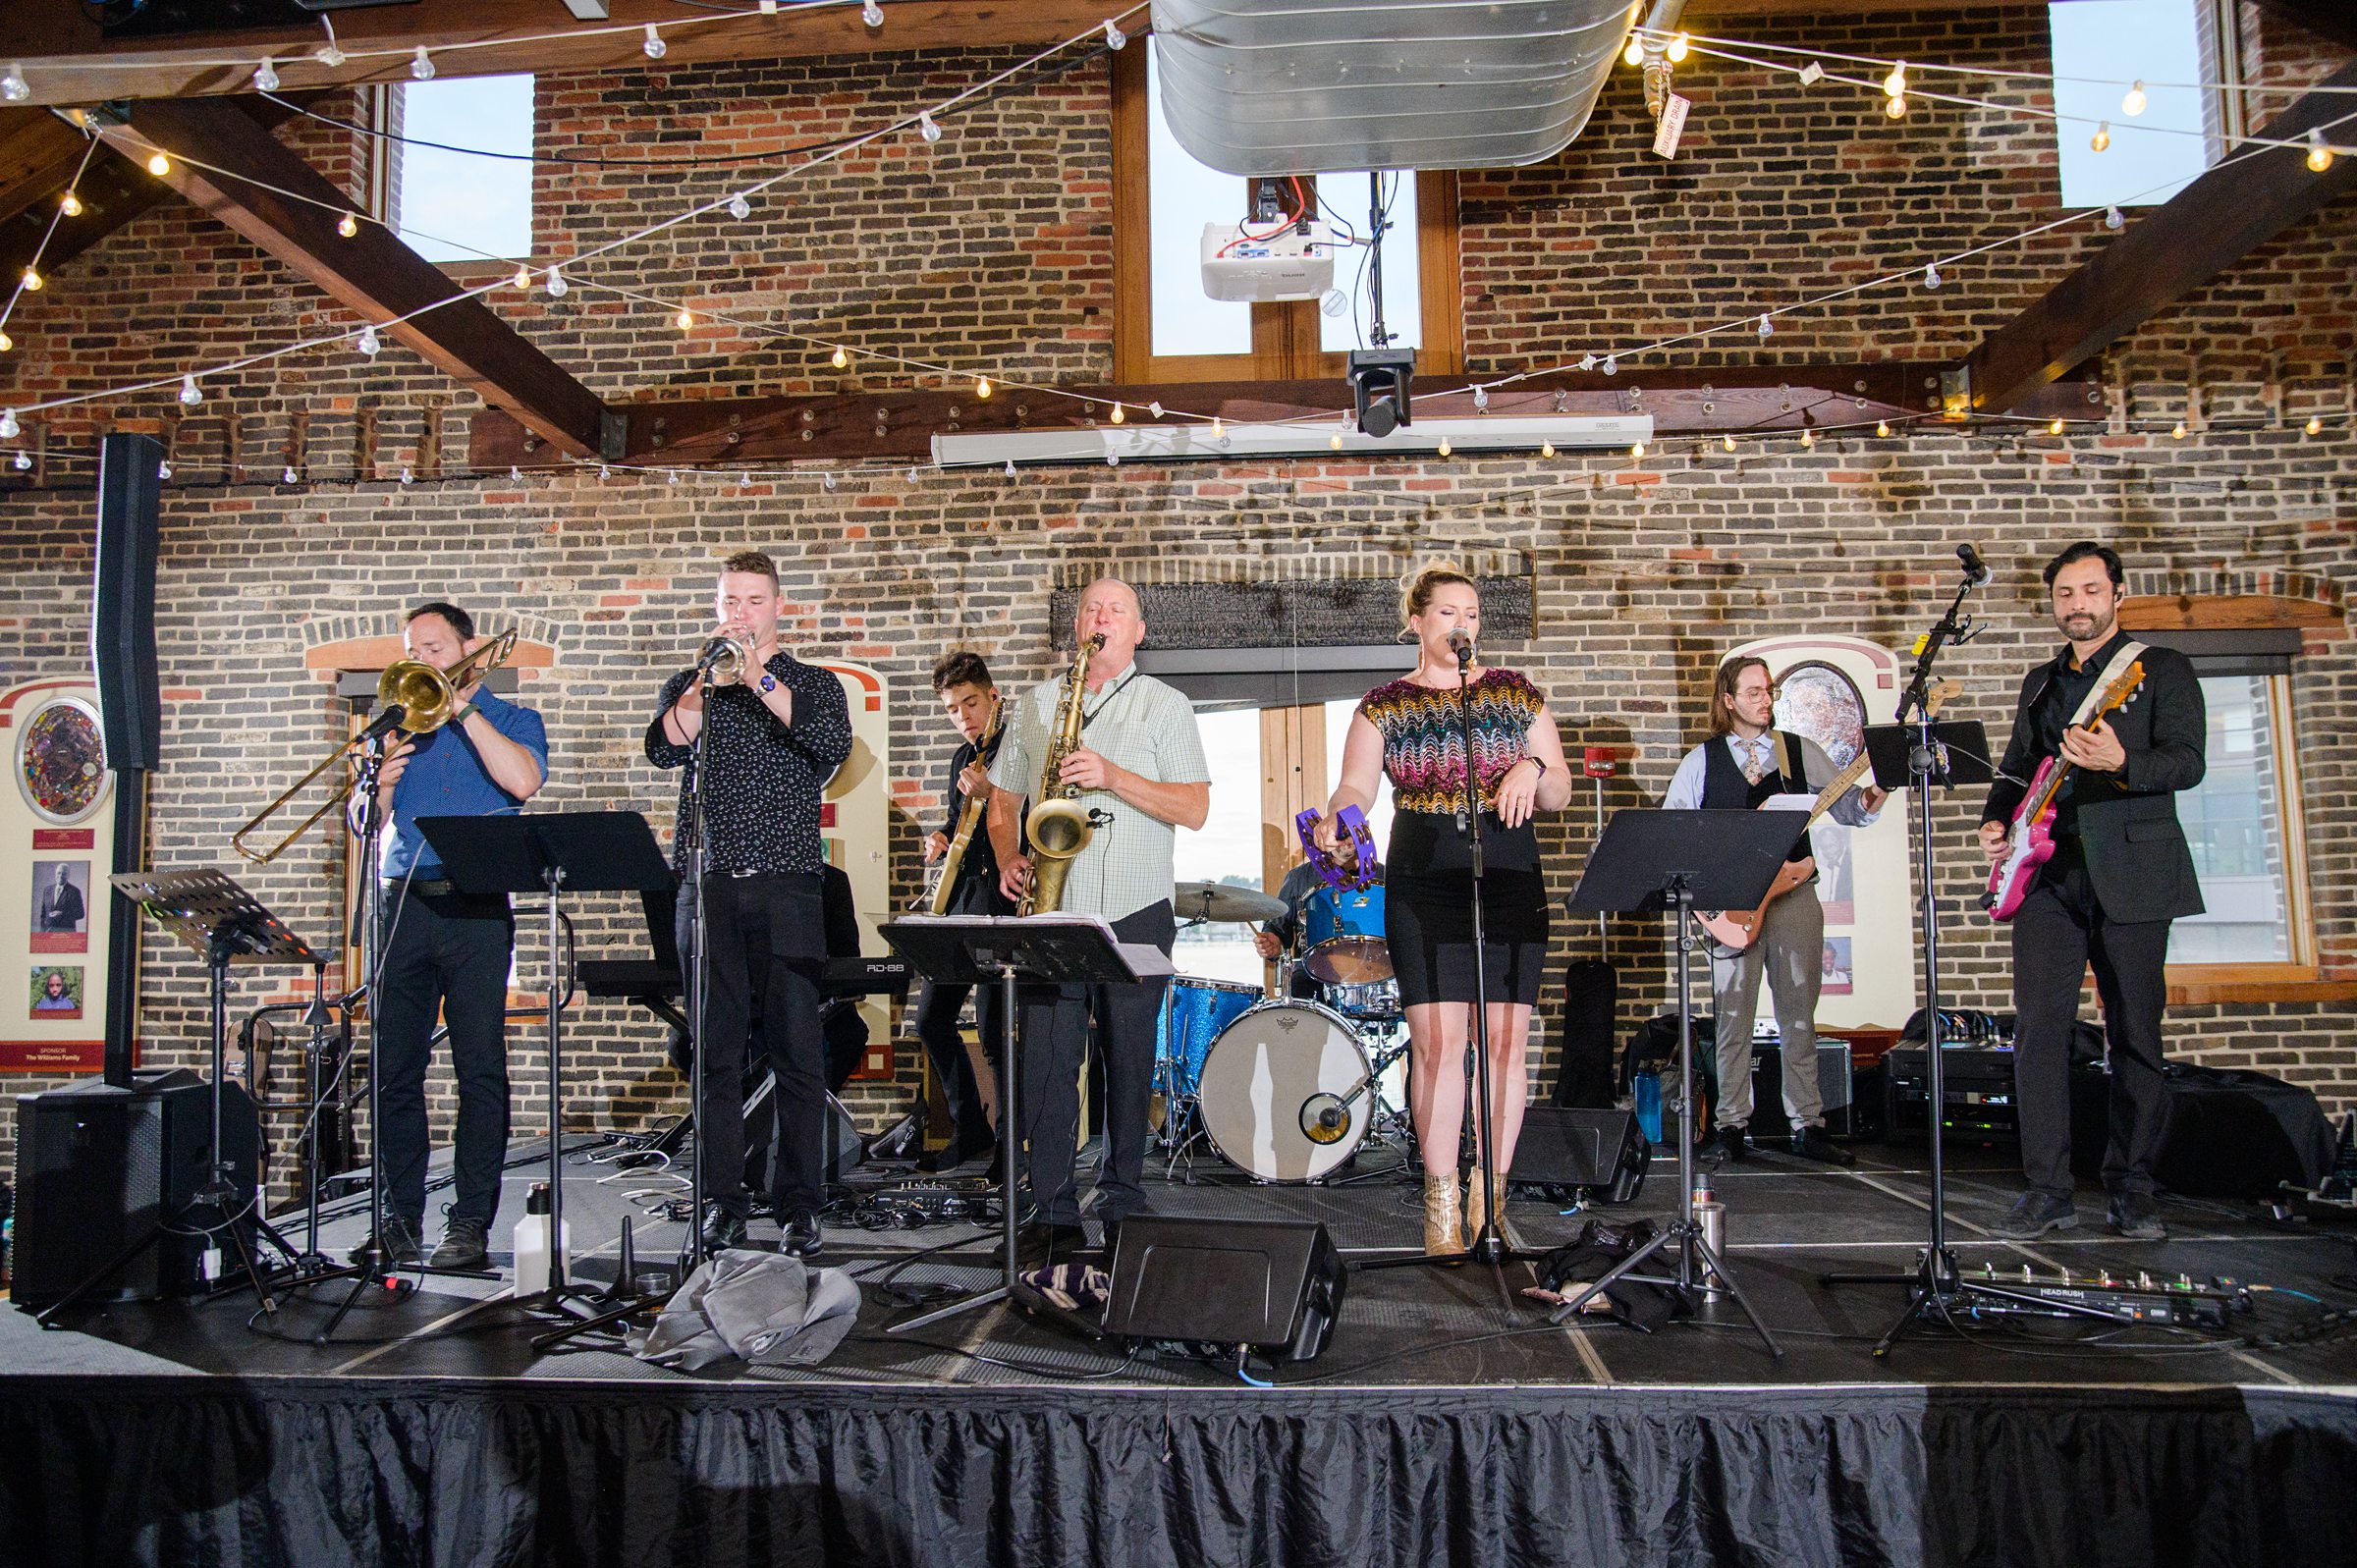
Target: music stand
column 972, row 950
column 225, row 924
column 1647, row 862
column 552, row 852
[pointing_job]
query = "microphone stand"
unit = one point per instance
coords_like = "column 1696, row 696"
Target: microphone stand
column 699, row 976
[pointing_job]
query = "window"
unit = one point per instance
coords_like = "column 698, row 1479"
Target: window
column 2099, row 47
column 1167, row 330
column 455, row 206
column 1229, row 849
column 2242, row 824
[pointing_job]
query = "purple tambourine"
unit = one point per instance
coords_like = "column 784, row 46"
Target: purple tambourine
column 1353, row 825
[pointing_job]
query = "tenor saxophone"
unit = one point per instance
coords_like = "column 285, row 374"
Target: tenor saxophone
column 1058, row 827
column 969, row 816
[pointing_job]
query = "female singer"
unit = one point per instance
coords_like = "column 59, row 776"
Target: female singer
column 1411, row 729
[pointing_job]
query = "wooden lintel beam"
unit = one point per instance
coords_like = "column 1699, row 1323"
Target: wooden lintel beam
column 372, row 273
column 2218, row 218
column 899, row 426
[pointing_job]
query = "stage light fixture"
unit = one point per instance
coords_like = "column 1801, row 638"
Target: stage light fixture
column 1379, row 395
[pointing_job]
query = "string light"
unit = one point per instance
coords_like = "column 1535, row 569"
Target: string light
column 654, row 46
column 604, row 472
column 2101, row 142
column 1633, row 54
column 6, row 341
column 70, row 204
column 872, row 14
column 1009, row 468
column 1334, row 443
column 2315, row 425
column 347, row 226
column 1766, row 326
column 1729, row 442
column 1481, row 398
column 1808, row 437
column 1444, row 447
column 23, row 460
column 554, row 282
column 163, row 469
column 2133, row 102
column 982, row 386
column 1897, row 108
column 1218, row 429
column 189, row 395
column 369, row 344
column 265, row 75
column 1612, row 364
column 1637, row 450
column 1115, row 37
column 523, row 276
column 289, row 476
column 1676, row 53
column 32, row 281
column 13, row 87
column 685, row 320
column 1118, row 415
column 2319, row 156
column 1931, row 276
column 829, row 482
column 2112, row 218
column 744, row 479
column 8, row 424
column 925, row 127
column 159, row 165
column 671, row 476
column 740, row 208
column 421, row 65
column 1546, row 449
column 1894, row 86
column 409, row 475
column 839, row 359
column 1882, row 427
column 2178, row 434
column 2054, row 429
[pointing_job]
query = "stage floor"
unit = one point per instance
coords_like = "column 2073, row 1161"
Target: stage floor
column 1787, row 1221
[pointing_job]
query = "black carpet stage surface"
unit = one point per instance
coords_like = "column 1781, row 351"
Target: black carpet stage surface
column 1445, row 1422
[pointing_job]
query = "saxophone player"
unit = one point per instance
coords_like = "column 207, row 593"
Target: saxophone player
column 968, row 887
column 1139, row 772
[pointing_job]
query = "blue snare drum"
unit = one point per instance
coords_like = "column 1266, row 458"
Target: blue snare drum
column 1344, row 930
column 1193, row 1012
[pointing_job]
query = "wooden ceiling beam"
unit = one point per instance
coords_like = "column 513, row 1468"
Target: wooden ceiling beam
column 2218, row 218
column 372, row 273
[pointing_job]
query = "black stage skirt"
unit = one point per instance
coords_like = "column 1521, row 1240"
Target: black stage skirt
column 1428, row 915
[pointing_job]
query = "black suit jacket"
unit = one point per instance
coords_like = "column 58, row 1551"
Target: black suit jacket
column 2136, row 855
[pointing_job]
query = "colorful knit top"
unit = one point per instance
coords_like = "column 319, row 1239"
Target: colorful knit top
column 1424, row 743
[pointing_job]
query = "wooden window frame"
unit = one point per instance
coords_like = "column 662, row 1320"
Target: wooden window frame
column 1285, row 336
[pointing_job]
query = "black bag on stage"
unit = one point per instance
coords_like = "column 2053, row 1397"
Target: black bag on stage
column 1591, row 992
column 2239, row 1134
column 1602, row 1245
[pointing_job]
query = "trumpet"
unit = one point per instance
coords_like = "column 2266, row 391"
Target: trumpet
column 414, row 697
column 724, row 660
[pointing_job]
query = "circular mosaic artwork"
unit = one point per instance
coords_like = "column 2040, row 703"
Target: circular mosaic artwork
column 61, row 760
column 1819, row 702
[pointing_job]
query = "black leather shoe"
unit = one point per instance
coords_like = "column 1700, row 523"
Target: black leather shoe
column 466, row 1244
column 1728, row 1144
column 933, row 1162
column 723, row 1228
column 397, row 1246
column 2133, row 1216
column 1811, row 1143
column 2033, row 1214
column 803, row 1236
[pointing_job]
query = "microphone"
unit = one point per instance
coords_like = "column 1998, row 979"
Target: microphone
column 1974, row 568
column 385, row 722
column 1461, row 643
column 1324, row 1118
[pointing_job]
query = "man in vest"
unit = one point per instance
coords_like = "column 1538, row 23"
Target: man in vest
column 1743, row 764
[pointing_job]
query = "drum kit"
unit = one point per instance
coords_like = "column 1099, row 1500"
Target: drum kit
column 1286, row 1088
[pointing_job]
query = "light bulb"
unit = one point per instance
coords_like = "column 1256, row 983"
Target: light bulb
column 1637, row 450
column 2319, row 156
column 1115, row 37
column 1218, row 429
column 1481, row 397
column 421, row 65
column 981, row 385
column 685, row 320
column 70, row 204
column 2102, row 139
column 1113, row 459
column 2178, row 434
column 1808, row 437
column 740, row 208
column 1728, row 442
column 1931, row 276
column 872, row 14
column 839, row 359
column 1766, row 326
column 744, row 479
column 554, row 282
column 513, row 472
column 189, row 393
column 159, row 165
column 1009, row 468
column 163, row 470
column 1882, row 427
column 1334, row 443
column 1634, row 53
column 2112, row 218
column 1546, row 449
column 829, row 482
column 6, row 341
column 654, row 46
column 1894, row 86
column 328, row 55
column 671, row 476
column 1897, row 108
column 604, row 472
column 1442, row 449
column 1677, row 52
column 2053, row 427
column 409, row 475
column 24, row 460
column 265, row 75
column 1611, row 366
column 289, row 476
column 32, row 281
column 1118, row 415
column 347, row 226
column 2132, row 103
column 523, row 276
column 13, row 87
column 368, row 343
column 8, row 424
column 2315, row 425
column 926, row 129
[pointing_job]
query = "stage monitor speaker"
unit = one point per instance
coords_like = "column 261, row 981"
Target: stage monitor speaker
column 123, row 601
column 2239, row 1134
column 1600, row 1153
column 1275, row 1285
column 98, row 1167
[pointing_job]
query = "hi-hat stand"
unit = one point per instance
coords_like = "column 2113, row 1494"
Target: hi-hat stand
column 1644, row 863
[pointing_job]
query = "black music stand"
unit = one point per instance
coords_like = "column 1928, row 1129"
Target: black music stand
column 225, row 924
column 551, row 853
column 972, row 950
column 1651, row 861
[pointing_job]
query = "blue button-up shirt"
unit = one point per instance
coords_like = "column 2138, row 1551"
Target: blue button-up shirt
column 445, row 777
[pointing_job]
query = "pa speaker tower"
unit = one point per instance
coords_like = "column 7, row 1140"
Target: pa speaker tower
column 123, row 603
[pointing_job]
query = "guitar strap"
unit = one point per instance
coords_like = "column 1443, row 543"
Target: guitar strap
column 2129, row 653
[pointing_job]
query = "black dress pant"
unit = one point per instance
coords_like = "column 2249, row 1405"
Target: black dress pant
column 937, row 1009
column 445, row 953
column 766, row 941
column 1055, row 1031
column 2059, row 930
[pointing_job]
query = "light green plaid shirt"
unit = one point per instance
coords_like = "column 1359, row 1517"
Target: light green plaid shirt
column 1137, row 723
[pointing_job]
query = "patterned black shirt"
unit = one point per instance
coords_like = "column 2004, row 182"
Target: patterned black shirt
column 767, row 778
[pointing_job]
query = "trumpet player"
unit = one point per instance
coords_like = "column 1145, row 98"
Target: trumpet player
column 444, row 950
column 970, row 698
column 779, row 731
column 1138, row 773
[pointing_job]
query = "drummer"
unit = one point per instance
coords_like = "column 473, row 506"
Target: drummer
column 1277, row 937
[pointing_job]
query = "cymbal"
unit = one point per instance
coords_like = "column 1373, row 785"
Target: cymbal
column 1219, row 901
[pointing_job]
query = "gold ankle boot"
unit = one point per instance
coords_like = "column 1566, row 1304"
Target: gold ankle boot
column 1474, row 1191
column 1443, row 1223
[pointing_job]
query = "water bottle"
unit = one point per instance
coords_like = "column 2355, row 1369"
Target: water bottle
column 534, row 1256
column 1649, row 1106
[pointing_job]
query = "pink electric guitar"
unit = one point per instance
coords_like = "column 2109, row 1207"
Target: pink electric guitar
column 1733, row 928
column 2033, row 842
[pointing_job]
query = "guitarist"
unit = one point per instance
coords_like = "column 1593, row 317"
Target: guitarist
column 971, row 699
column 1744, row 763
column 2121, row 873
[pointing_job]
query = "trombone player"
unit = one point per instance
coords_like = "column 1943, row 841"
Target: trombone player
column 444, row 950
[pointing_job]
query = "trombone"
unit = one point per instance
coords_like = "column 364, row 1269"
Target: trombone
column 414, row 697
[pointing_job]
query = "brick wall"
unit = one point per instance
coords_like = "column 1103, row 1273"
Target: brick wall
column 993, row 247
